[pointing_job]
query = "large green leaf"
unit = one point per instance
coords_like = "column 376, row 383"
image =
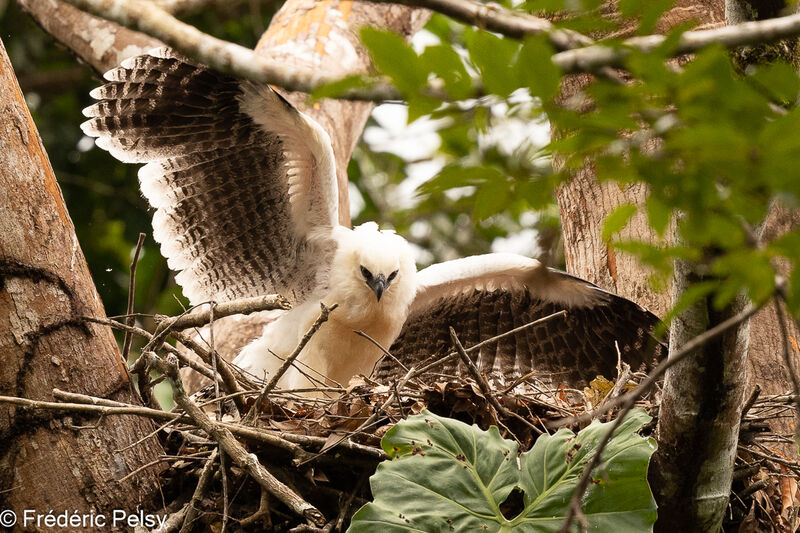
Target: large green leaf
column 448, row 476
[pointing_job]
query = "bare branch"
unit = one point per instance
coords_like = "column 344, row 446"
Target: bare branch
column 242, row 306
column 131, row 320
column 199, row 492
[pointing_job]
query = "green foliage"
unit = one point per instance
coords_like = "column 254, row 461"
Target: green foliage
column 714, row 146
column 448, row 476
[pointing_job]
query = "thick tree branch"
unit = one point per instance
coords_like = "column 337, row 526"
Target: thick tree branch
column 245, row 63
column 221, row 55
column 494, row 17
column 591, row 58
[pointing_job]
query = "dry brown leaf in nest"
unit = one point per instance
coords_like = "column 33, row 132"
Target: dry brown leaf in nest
column 789, row 498
column 381, row 431
column 749, row 523
column 597, row 390
column 332, row 439
column 287, row 426
column 356, row 382
column 317, row 476
column 417, row 407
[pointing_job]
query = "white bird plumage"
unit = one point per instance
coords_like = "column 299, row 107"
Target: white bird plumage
column 244, row 187
column 335, row 351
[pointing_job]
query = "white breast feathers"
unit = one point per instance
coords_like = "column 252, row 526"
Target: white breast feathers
column 372, row 283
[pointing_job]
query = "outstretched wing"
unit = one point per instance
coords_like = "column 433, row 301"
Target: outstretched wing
column 484, row 296
column 239, row 178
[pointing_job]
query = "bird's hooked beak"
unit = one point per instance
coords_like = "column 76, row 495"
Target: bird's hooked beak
column 378, row 284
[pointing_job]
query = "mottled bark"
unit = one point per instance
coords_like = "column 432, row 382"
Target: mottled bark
column 322, row 35
column 100, row 44
column 698, row 426
column 46, row 461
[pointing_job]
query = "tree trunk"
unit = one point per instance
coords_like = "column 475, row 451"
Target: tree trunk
column 48, row 462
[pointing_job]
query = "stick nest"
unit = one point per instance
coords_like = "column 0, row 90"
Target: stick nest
column 325, row 449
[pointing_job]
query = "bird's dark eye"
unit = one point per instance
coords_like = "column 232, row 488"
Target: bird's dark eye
column 392, row 276
column 366, row 273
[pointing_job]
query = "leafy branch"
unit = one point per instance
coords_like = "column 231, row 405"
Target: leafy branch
column 242, row 62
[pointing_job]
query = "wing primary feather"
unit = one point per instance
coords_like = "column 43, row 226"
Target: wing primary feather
column 236, row 198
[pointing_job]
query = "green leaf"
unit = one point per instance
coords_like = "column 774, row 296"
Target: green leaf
column 448, row 476
column 337, row 88
column 492, row 197
column 455, row 175
column 494, row 56
column 618, row 499
column 658, row 214
column 537, row 70
column 443, row 61
column 617, row 220
column 778, row 79
column 393, row 57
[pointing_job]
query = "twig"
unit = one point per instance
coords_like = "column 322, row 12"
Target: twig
column 235, row 450
column 262, row 512
column 162, row 459
column 199, row 492
column 323, row 317
column 747, row 491
column 126, row 343
column 242, row 306
column 381, row 348
column 623, row 374
column 519, row 381
column 151, row 434
column 751, row 400
column 651, row 379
